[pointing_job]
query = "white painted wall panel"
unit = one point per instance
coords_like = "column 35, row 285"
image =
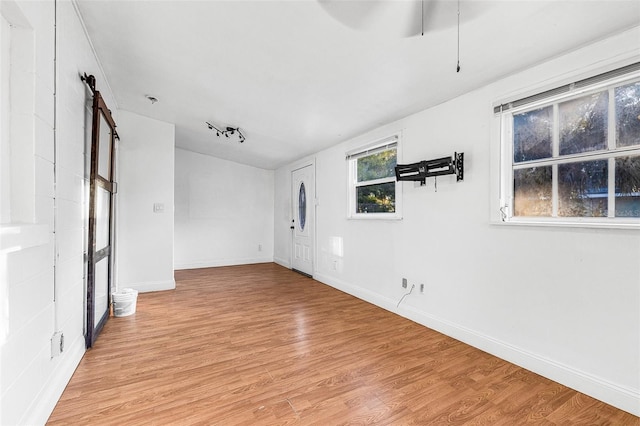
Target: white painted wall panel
column 36, row 292
column 44, row 140
column 144, row 242
column 564, row 302
column 224, row 212
column 30, row 366
column 70, row 184
column 44, row 104
column 24, row 264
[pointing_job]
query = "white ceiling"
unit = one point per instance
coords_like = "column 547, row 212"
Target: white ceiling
column 299, row 76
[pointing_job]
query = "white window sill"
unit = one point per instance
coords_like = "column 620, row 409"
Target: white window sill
column 375, row 216
column 569, row 224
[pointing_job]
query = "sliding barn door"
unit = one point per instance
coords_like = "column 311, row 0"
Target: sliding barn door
column 101, row 219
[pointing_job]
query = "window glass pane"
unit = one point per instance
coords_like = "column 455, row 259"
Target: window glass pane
column 104, row 151
column 380, row 198
column 302, row 206
column 532, row 135
column 628, row 114
column 377, row 166
column 101, row 289
column 582, row 189
column 532, row 191
column 102, row 218
column 583, row 124
column 628, row 187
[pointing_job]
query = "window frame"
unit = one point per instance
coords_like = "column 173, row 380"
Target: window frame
column 553, row 98
column 352, row 157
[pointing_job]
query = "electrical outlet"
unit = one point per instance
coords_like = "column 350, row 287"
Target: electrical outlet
column 57, row 344
column 259, row 247
column 422, row 288
column 404, row 283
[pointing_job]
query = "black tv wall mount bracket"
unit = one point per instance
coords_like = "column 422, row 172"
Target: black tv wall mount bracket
column 420, row 171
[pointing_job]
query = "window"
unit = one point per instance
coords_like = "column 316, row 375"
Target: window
column 572, row 155
column 373, row 190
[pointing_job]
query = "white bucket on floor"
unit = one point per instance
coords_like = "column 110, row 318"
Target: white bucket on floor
column 124, row 302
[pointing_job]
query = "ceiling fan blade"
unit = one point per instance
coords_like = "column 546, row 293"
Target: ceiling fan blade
column 392, row 18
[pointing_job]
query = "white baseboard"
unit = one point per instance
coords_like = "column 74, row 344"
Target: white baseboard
column 43, row 406
column 148, row 286
column 222, row 262
column 282, row 262
column 596, row 387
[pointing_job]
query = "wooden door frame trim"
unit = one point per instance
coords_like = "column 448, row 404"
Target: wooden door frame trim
column 295, row 167
column 95, row 180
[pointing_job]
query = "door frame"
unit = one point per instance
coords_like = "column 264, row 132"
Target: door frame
column 314, row 201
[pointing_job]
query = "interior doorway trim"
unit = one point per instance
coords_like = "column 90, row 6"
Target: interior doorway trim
column 311, row 203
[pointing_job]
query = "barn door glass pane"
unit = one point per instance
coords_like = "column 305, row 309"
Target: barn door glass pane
column 102, row 218
column 104, row 149
column 101, row 294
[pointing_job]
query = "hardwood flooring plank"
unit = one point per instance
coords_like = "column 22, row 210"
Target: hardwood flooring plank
column 262, row 345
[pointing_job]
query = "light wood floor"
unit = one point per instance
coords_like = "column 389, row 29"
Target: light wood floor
column 261, row 345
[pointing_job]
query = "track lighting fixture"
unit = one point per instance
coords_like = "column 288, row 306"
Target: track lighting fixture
column 228, row 131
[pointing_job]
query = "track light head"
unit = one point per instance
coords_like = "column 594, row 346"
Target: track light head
column 228, row 131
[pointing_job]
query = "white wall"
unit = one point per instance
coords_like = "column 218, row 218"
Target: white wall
column 224, row 212
column 144, row 237
column 41, row 271
column 563, row 302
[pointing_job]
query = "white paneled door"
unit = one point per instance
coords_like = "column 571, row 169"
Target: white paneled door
column 303, row 219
